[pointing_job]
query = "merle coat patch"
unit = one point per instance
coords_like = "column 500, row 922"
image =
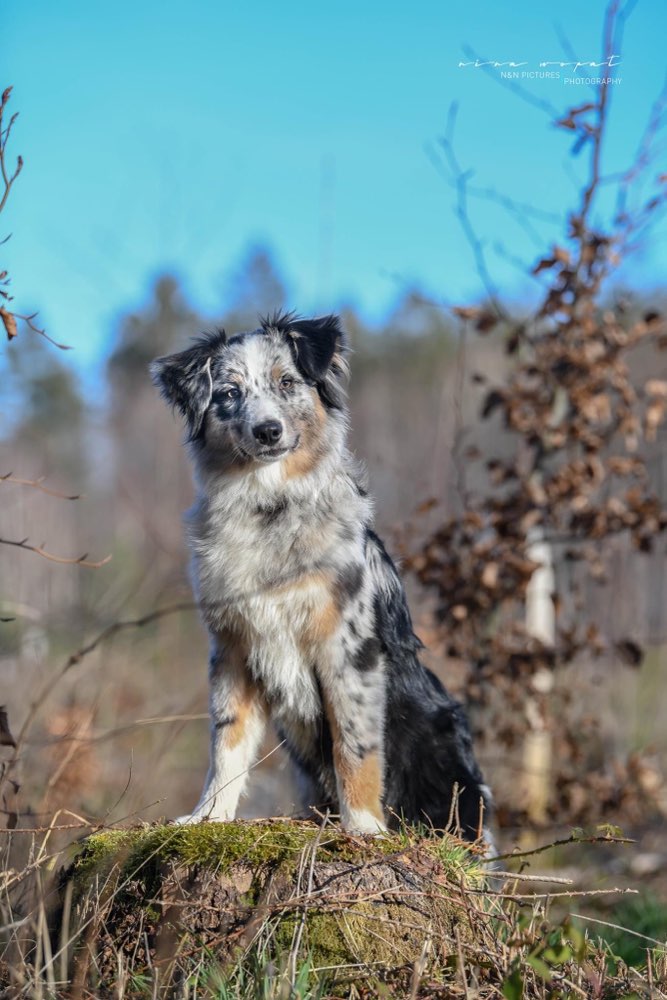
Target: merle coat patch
column 307, row 616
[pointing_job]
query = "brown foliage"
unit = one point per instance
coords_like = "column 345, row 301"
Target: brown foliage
column 577, row 478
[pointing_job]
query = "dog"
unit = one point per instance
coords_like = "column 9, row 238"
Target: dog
column 308, row 620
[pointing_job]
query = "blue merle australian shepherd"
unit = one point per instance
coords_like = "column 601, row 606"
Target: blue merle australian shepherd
column 308, row 620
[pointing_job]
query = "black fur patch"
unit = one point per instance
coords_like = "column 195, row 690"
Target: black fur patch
column 316, row 343
column 392, row 616
column 228, row 720
column 273, row 513
column 419, row 729
column 313, row 342
column 185, row 380
column 366, row 657
column 348, row 582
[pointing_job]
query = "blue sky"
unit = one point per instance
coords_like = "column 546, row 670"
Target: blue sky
column 161, row 136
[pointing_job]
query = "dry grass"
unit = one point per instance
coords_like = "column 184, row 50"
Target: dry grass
column 283, row 909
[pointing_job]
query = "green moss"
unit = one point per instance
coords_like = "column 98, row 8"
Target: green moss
column 97, row 854
column 255, row 873
column 220, row 845
column 211, row 845
column 356, row 935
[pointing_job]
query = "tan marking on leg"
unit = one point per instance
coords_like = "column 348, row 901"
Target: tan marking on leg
column 361, row 780
column 249, row 696
column 363, row 785
column 235, row 731
column 309, row 452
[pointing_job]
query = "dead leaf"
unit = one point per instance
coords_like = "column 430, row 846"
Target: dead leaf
column 543, row 265
column 467, row 312
column 6, row 738
column 9, row 322
column 656, row 387
column 630, row 652
column 486, row 321
column 493, row 400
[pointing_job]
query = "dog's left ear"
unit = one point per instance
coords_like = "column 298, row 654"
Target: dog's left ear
column 185, row 380
column 317, row 342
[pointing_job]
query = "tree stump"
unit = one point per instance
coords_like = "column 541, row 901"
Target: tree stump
column 274, row 900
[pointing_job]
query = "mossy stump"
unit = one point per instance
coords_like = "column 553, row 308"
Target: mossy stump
column 241, row 898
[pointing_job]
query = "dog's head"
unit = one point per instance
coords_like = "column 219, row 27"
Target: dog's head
column 260, row 397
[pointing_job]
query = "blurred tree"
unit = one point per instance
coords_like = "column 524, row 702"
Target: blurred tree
column 48, row 410
column 148, row 486
column 255, row 289
column 165, row 323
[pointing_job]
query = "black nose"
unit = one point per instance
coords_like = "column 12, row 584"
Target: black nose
column 270, row 432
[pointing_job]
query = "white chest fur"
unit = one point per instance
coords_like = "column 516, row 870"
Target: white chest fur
column 263, row 565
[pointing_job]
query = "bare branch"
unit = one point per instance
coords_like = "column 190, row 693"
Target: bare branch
column 37, row 484
column 460, row 179
column 8, row 176
column 521, row 212
column 598, row 130
column 29, row 321
column 574, row 476
column 67, row 561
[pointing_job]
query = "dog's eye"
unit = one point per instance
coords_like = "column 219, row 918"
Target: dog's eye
column 232, row 393
column 286, row 382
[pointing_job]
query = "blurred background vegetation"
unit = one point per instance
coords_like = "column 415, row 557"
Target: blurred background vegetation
column 531, row 418
column 121, row 450
column 124, row 733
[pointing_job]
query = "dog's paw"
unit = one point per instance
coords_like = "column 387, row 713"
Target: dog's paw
column 361, row 821
column 189, row 819
column 202, row 817
column 199, row 817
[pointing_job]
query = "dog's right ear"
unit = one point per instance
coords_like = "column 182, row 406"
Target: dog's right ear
column 185, row 379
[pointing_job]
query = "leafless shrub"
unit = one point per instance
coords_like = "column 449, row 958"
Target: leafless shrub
column 580, row 415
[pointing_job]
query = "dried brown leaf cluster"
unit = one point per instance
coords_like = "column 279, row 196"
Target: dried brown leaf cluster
column 580, row 419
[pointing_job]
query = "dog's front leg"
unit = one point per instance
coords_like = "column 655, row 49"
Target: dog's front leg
column 238, row 720
column 354, row 703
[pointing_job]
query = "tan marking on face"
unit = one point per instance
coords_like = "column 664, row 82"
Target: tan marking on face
column 309, row 452
column 361, row 780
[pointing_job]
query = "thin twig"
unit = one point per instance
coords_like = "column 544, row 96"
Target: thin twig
column 63, row 560
column 617, row 927
column 460, row 179
column 29, row 321
column 572, row 839
column 8, row 177
column 38, row 484
column 75, row 658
